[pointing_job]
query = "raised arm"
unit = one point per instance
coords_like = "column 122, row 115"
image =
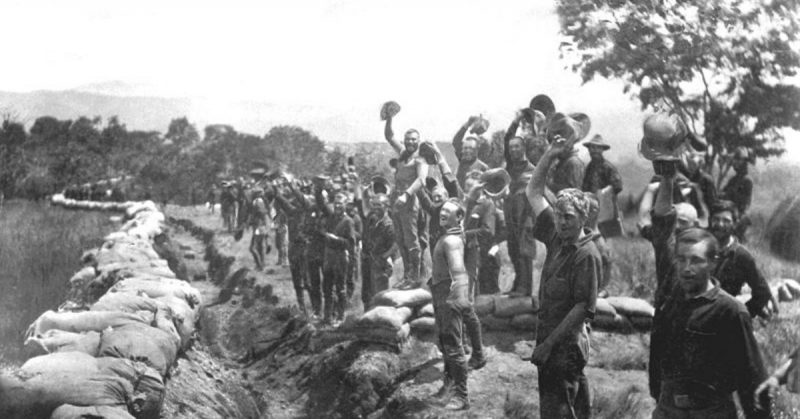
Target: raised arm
column 458, row 139
column 511, row 132
column 388, row 132
column 663, row 203
column 535, row 189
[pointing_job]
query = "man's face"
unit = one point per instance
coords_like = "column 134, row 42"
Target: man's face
column 685, row 217
column 438, row 195
column 377, row 205
column 339, row 203
column 568, row 223
column 411, row 141
column 448, row 216
column 469, row 150
column 693, row 267
column 739, row 164
column 721, row 226
column 595, row 152
column 516, row 148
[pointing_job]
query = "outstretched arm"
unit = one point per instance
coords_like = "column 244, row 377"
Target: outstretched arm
column 511, row 132
column 535, row 189
column 388, row 132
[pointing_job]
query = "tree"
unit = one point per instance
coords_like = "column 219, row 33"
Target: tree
column 301, row 151
column 721, row 66
column 182, row 133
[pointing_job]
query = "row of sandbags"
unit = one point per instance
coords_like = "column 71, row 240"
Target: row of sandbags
column 397, row 313
column 108, row 349
column 61, row 200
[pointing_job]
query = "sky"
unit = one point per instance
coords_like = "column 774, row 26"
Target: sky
column 442, row 61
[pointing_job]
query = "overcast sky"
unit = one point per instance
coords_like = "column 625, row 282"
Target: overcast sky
column 442, row 60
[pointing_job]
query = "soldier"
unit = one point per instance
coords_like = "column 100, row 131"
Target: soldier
column 569, row 170
column 339, row 238
column 355, row 254
column 449, row 287
column 378, row 245
column 600, row 173
column 568, row 290
column 739, row 190
column 296, row 206
column 518, row 217
column 228, row 204
column 259, row 222
column 702, row 345
column 735, row 266
column 467, row 153
column 410, row 175
column 314, row 255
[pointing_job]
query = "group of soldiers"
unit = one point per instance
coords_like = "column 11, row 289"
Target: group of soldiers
column 533, row 188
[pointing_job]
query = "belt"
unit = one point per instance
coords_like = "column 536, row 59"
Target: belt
column 692, row 395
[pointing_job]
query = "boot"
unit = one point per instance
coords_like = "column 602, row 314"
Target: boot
column 446, row 390
column 459, row 400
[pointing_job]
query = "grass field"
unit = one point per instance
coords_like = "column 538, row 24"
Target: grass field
column 40, row 248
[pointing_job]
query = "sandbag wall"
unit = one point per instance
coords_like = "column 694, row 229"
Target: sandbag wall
column 395, row 314
column 108, row 349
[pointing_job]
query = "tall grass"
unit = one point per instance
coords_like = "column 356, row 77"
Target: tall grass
column 40, row 249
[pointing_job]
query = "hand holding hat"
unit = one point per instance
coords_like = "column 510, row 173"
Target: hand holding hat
column 389, row 110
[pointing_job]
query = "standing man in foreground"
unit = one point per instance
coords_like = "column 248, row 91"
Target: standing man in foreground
column 702, row 346
column 409, row 179
column 567, row 294
column 450, row 287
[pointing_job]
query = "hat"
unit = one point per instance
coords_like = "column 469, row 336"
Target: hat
column 741, row 153
column 543, row 104
column 573, row 127
column 389, row 110
column 258, row 172
column 480, row 126
column 496, row 181
column 664, row 137
column 427, row 152
column 381, row 185
column 598, row 141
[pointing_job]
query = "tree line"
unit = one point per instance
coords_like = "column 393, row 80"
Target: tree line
column 179, row 166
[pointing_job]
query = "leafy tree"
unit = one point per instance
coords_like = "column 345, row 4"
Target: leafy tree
column 722, row 66
column 182, row 133
column 301, row 151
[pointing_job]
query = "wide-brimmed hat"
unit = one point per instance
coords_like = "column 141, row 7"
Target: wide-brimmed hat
column 258, row 172
column 389, row 110
column 543, row 104
column 427, row 152
column 479, row 126
column 495, row 181
column 665, row 137
column 380, row 184
column 597, row 141
column 573, row 127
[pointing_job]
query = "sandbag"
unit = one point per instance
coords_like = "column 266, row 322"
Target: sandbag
column 484, row 304
column 505, row 306
column 68, row 411
column 525, row 321
column 402, row 298
column 184, row 317
column 611, row 323
column 493, row 322
column 85, row 321
column 793, row 287
column 38, row 395
column 126, row 302
column 602, row 307
column 155, row 287
column 55, row 340
column 424, row 324
column 426, row 310
column 629, row 306
column 147, row 344
column 146, row 381
column 384, row 317
column 641, row 323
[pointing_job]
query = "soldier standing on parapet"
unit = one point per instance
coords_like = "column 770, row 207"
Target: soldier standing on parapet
column 410, row 174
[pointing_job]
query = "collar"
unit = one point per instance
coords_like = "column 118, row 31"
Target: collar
column 710, row 295
column 730, row 248
column 588, row 236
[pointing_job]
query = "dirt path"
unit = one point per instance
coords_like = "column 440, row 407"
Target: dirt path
column 295, row 369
